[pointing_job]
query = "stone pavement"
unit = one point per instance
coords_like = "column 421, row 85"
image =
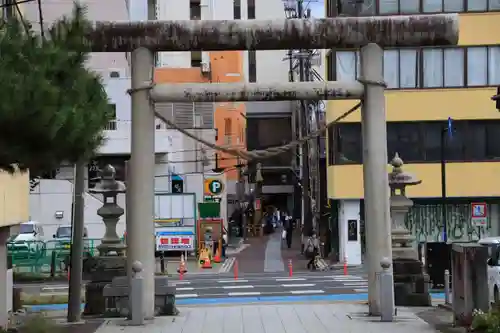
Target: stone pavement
column 275, row 318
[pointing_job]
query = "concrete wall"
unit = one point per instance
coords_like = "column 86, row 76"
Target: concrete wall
column 109, row 10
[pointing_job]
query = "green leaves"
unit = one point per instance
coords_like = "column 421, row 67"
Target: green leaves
column 52, row 109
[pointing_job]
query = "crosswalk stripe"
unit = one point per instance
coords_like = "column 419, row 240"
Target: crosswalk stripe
column 247, row 293
column 298, row 285
column 353, row 284
column 300, row 292
column 237, row 287
column 186, row 296
column 364, row 290
column 289, row 279
column 232, row 281
column 184, row 288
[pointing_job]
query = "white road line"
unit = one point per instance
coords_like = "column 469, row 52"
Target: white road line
column 238, row 287
column 56, row 288
column 298, row 285
column 247, row 293
column 289, row 279
column 186, row 296
column 300, row 292
column 184, row 288
column 346, row 277
column 361, row 290
column 181, row 282
column 355, row 284
column 232, row 281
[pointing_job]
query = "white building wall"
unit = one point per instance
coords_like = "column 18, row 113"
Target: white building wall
column 350, row 250
column 173, row 10
column 108, row 10
column 51, row 196
column 271, row 66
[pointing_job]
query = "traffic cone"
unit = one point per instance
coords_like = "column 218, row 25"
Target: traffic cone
column 182, row 266
column 206, row 263
column 217, row 258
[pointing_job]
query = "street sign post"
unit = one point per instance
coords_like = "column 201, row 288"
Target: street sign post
column 479, row 214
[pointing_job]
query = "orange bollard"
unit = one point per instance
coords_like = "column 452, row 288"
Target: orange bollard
column 345, row 264
column 235, row 269
column 290, row 268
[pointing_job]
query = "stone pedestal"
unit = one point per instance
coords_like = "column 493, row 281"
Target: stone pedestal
column 411, row 284
column 101, row 271
column 111, row 261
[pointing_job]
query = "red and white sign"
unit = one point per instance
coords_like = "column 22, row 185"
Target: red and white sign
column 479, row 214
column 175, row 239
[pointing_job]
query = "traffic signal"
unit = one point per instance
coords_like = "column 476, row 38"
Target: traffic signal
column 496, row 98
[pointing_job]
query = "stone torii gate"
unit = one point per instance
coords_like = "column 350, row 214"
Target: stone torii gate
column 367, row 33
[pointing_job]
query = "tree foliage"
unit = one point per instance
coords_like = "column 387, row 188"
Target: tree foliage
column 52, row 108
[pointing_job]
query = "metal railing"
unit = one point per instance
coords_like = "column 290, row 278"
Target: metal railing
column 45, row 257
column 126, row 125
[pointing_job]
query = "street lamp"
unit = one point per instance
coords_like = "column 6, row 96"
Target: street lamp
column 446, row 132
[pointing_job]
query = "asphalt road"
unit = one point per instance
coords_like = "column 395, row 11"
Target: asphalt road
column 262, row 284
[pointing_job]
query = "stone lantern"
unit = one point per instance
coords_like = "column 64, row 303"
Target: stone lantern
column 111, row 262
column 110, row 212
column 411, row 284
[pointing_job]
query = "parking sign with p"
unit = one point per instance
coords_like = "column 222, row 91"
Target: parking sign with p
column 213, row 187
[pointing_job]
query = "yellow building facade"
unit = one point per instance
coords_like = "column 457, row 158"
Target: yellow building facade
column 426, row 87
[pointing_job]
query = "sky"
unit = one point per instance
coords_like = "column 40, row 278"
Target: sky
column 317, row 8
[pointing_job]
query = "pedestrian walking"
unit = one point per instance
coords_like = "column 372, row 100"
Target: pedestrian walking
column 288, row 229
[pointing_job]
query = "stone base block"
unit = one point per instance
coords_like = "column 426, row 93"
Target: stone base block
column 94, row 300
column 411, row 284
column 104, row 269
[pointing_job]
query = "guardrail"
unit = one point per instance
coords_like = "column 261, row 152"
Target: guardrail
column 45, row 257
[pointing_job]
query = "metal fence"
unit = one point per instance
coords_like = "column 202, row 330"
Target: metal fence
column 45, row 257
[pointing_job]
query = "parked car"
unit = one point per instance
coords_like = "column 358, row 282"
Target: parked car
column 493, row 244
column 62, row 239
column 28, row 243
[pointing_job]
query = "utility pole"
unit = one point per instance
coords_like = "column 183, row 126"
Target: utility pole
column 303, row 76
column 76, row 256
column 240, row 191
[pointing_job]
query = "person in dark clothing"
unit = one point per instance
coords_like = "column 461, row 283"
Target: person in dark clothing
column 288, row 227
column 312, row 250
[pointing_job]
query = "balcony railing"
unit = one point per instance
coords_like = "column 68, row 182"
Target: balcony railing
column 125, row 125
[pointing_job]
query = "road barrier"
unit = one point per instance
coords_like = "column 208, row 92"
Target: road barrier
column 44, row 258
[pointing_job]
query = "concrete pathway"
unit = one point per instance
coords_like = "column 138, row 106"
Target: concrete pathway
column 273, row 261
column 275, row 318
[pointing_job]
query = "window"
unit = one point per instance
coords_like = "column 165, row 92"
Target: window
column 195, row 10
column 195, row 58
column 477, row 75
column 347, row 65
column 433, row 68
column 112, row 123
column 403, row 7
column 251, row 9
column 237, row 9
column 452, row 67
column 252, row 66
column 420, row 142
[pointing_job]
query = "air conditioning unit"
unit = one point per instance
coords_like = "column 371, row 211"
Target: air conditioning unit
column 205, row 67
column 116, row 73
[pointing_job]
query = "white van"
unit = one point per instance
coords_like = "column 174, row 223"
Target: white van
column 30, row 238
column 493, row 244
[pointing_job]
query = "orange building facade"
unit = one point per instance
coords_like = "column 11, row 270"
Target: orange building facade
column 229, row 118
